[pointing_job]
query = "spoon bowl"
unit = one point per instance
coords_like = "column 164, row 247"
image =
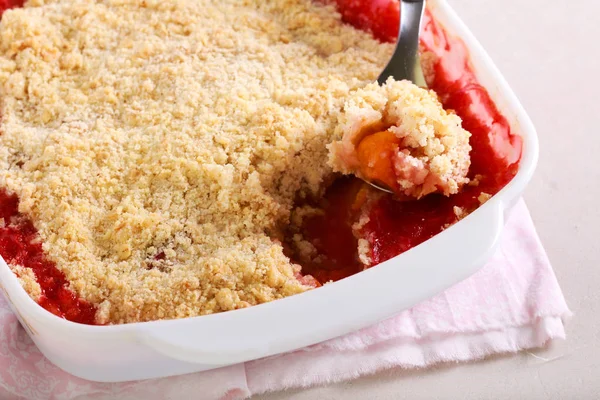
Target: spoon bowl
column 405, row 63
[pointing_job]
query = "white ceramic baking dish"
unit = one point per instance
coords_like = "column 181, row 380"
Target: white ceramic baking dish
column 164, row 348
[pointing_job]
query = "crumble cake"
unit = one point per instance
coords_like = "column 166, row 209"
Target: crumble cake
column 168, row 159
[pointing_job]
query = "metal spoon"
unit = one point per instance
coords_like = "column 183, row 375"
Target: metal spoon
column 405, row 62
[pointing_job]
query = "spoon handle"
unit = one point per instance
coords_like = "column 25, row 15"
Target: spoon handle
column 405, row 63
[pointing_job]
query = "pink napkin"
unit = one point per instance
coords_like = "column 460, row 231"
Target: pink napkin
column 511, row 304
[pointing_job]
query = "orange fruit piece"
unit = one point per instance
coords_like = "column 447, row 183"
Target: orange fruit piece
column 376, row 154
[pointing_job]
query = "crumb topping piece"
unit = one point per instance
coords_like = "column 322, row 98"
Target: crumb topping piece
column 399, row 134
column 27, row 279
column 159, row 145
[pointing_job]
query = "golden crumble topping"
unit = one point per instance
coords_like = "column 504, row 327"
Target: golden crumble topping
column 431, row 149
column 483, row 197
column 159, row 145
column 27, row 279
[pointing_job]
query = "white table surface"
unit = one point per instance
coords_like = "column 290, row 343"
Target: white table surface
column 549, row 51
